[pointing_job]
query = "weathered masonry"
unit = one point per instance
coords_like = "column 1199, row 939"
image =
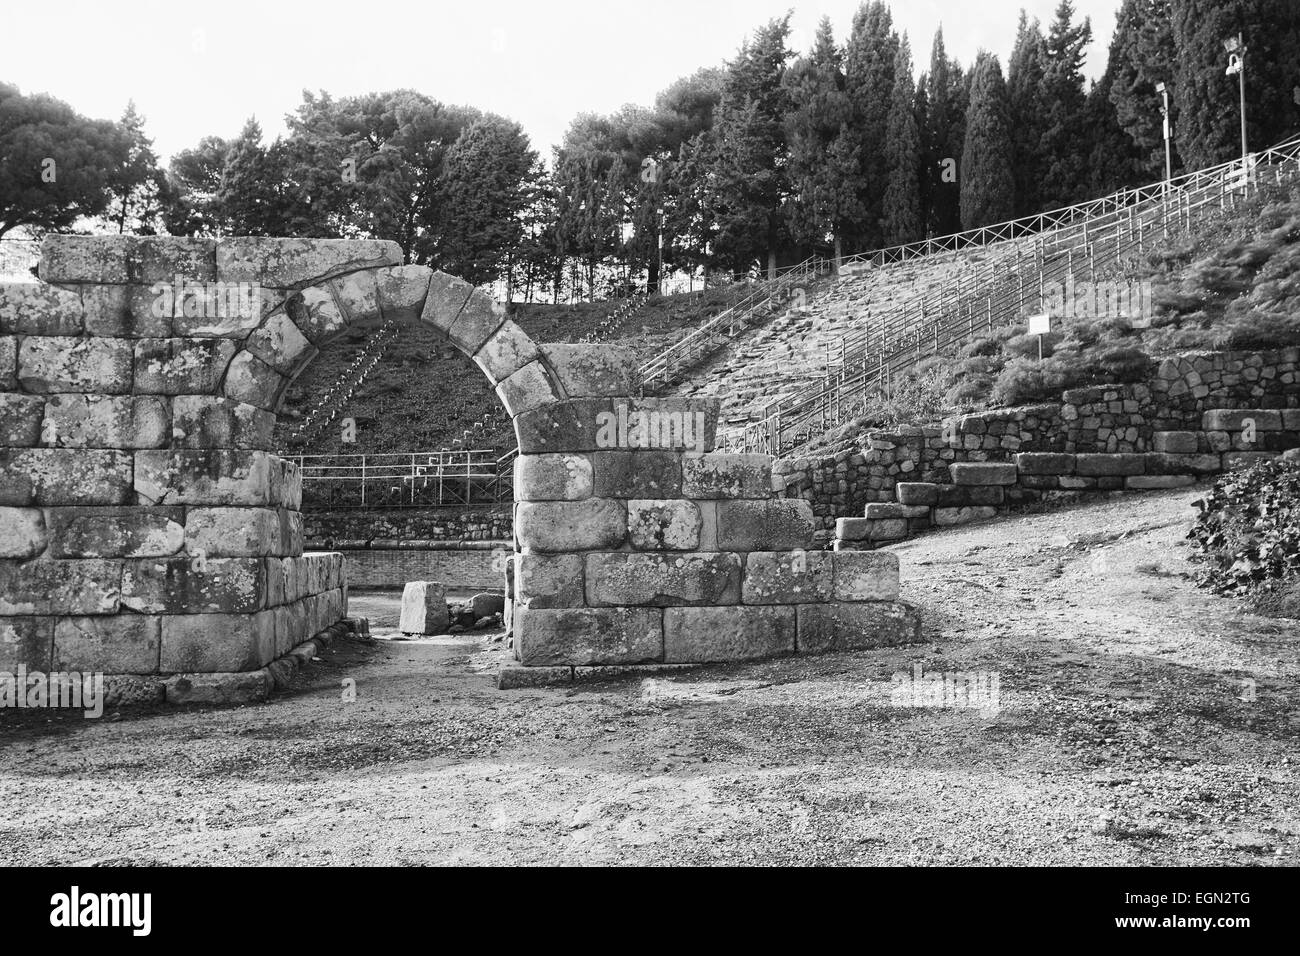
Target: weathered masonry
column 148, row 530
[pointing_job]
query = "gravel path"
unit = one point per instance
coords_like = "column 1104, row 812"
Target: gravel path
column 1124, row 733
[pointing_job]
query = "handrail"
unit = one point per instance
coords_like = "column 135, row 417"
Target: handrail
column 994, row 285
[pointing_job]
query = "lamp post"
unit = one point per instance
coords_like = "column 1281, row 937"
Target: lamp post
column 1237, row 64
column 1164, row 112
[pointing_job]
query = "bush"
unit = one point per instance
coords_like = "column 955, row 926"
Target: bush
column 1019, row 382
column 1248, row 527
column 1124, row 365
column 1259, row 330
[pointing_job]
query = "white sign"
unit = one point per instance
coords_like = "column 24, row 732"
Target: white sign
column 1040, row 324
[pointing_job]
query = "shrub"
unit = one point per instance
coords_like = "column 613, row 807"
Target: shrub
column 1019, row 382
column 1259, row 330
column 1124, row 365
column 1248, row 527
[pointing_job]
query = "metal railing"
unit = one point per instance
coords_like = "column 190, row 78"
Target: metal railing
column 1002, row 288
column 765, row 297
column 406, row 479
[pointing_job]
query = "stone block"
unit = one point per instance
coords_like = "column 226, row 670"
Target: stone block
column 776, row 525
column 1158, row 463
column 847, row 627
column 853, row 529
column 245, row 688
column 205, row 421
column 107, row 421
column 1041, row 482
column 983, row 473
column 1044, row 463
column 864, row 575
column 567, row 426
column 26, row 642
column 700, row 634
column 919, row 493
column 486, row 605
column 515, row 676
column 662, row 580
column 216, row 477
column 1175, row 443
column 83, row 259
column 887, row 529
column 527, row 389
column 183, row 584
column 787, row 577
column 663, row 524
column 124, row 311
column 1072, row 483
column 555, row 477
column 587, row 636
column 249, row 379
column 402, row 291
column 557, row 526
column 116, row 644
column 720, row 475
column 279, row 344
column 237, row 532
column 64, row 476
column 637, row 474
column 424, row 608
column 316, row 313
column 66, row 364
column 589, row 371
column 965, row 496
column 22, row 533
column 33, row 308
column 549, row 580
column 115, row 532
column 447, row 296
column 180, row 366
column 1154, row 482
column 294, row 263
column 1236, row 419
column 505, row 352
column 8, row 362
column 478, row 320
column 1102, row 465
column 221, row 643
column 60, row 587
column 946, row 517
column 667, row 424
column 21, row 418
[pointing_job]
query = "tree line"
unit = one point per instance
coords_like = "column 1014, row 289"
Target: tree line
column 749, row 165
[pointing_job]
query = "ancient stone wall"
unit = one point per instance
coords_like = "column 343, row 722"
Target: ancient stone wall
column 366, row 527
column 478, row 565
column 1095, row 420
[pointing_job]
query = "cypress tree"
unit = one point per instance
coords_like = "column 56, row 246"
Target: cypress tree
column 987, row 185
column 901, row 207
column 869, row 76
column 946, row 99
column 1064, row 142
column 1026, row 97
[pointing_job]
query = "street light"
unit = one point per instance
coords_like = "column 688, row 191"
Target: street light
column 1164, row 111
column 1236, row 49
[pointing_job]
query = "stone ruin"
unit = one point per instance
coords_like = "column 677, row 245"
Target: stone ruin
column 149, row 531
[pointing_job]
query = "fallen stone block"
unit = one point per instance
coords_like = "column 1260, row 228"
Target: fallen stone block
column 486, row 604
column 424, row 608
column 703, row 634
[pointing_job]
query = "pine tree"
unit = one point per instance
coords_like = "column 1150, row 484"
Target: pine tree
column 987, row 185
column 1208, row 130
column 869, row 76
column 901, row 213
column 139, row 188
column 822, row 151
column 248, row 199
column 1064, row 142
column 1027, row 98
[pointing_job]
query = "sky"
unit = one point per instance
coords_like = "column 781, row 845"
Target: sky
column 196, row 69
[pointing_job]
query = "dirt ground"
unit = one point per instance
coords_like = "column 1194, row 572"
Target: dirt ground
column 1126, row 731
